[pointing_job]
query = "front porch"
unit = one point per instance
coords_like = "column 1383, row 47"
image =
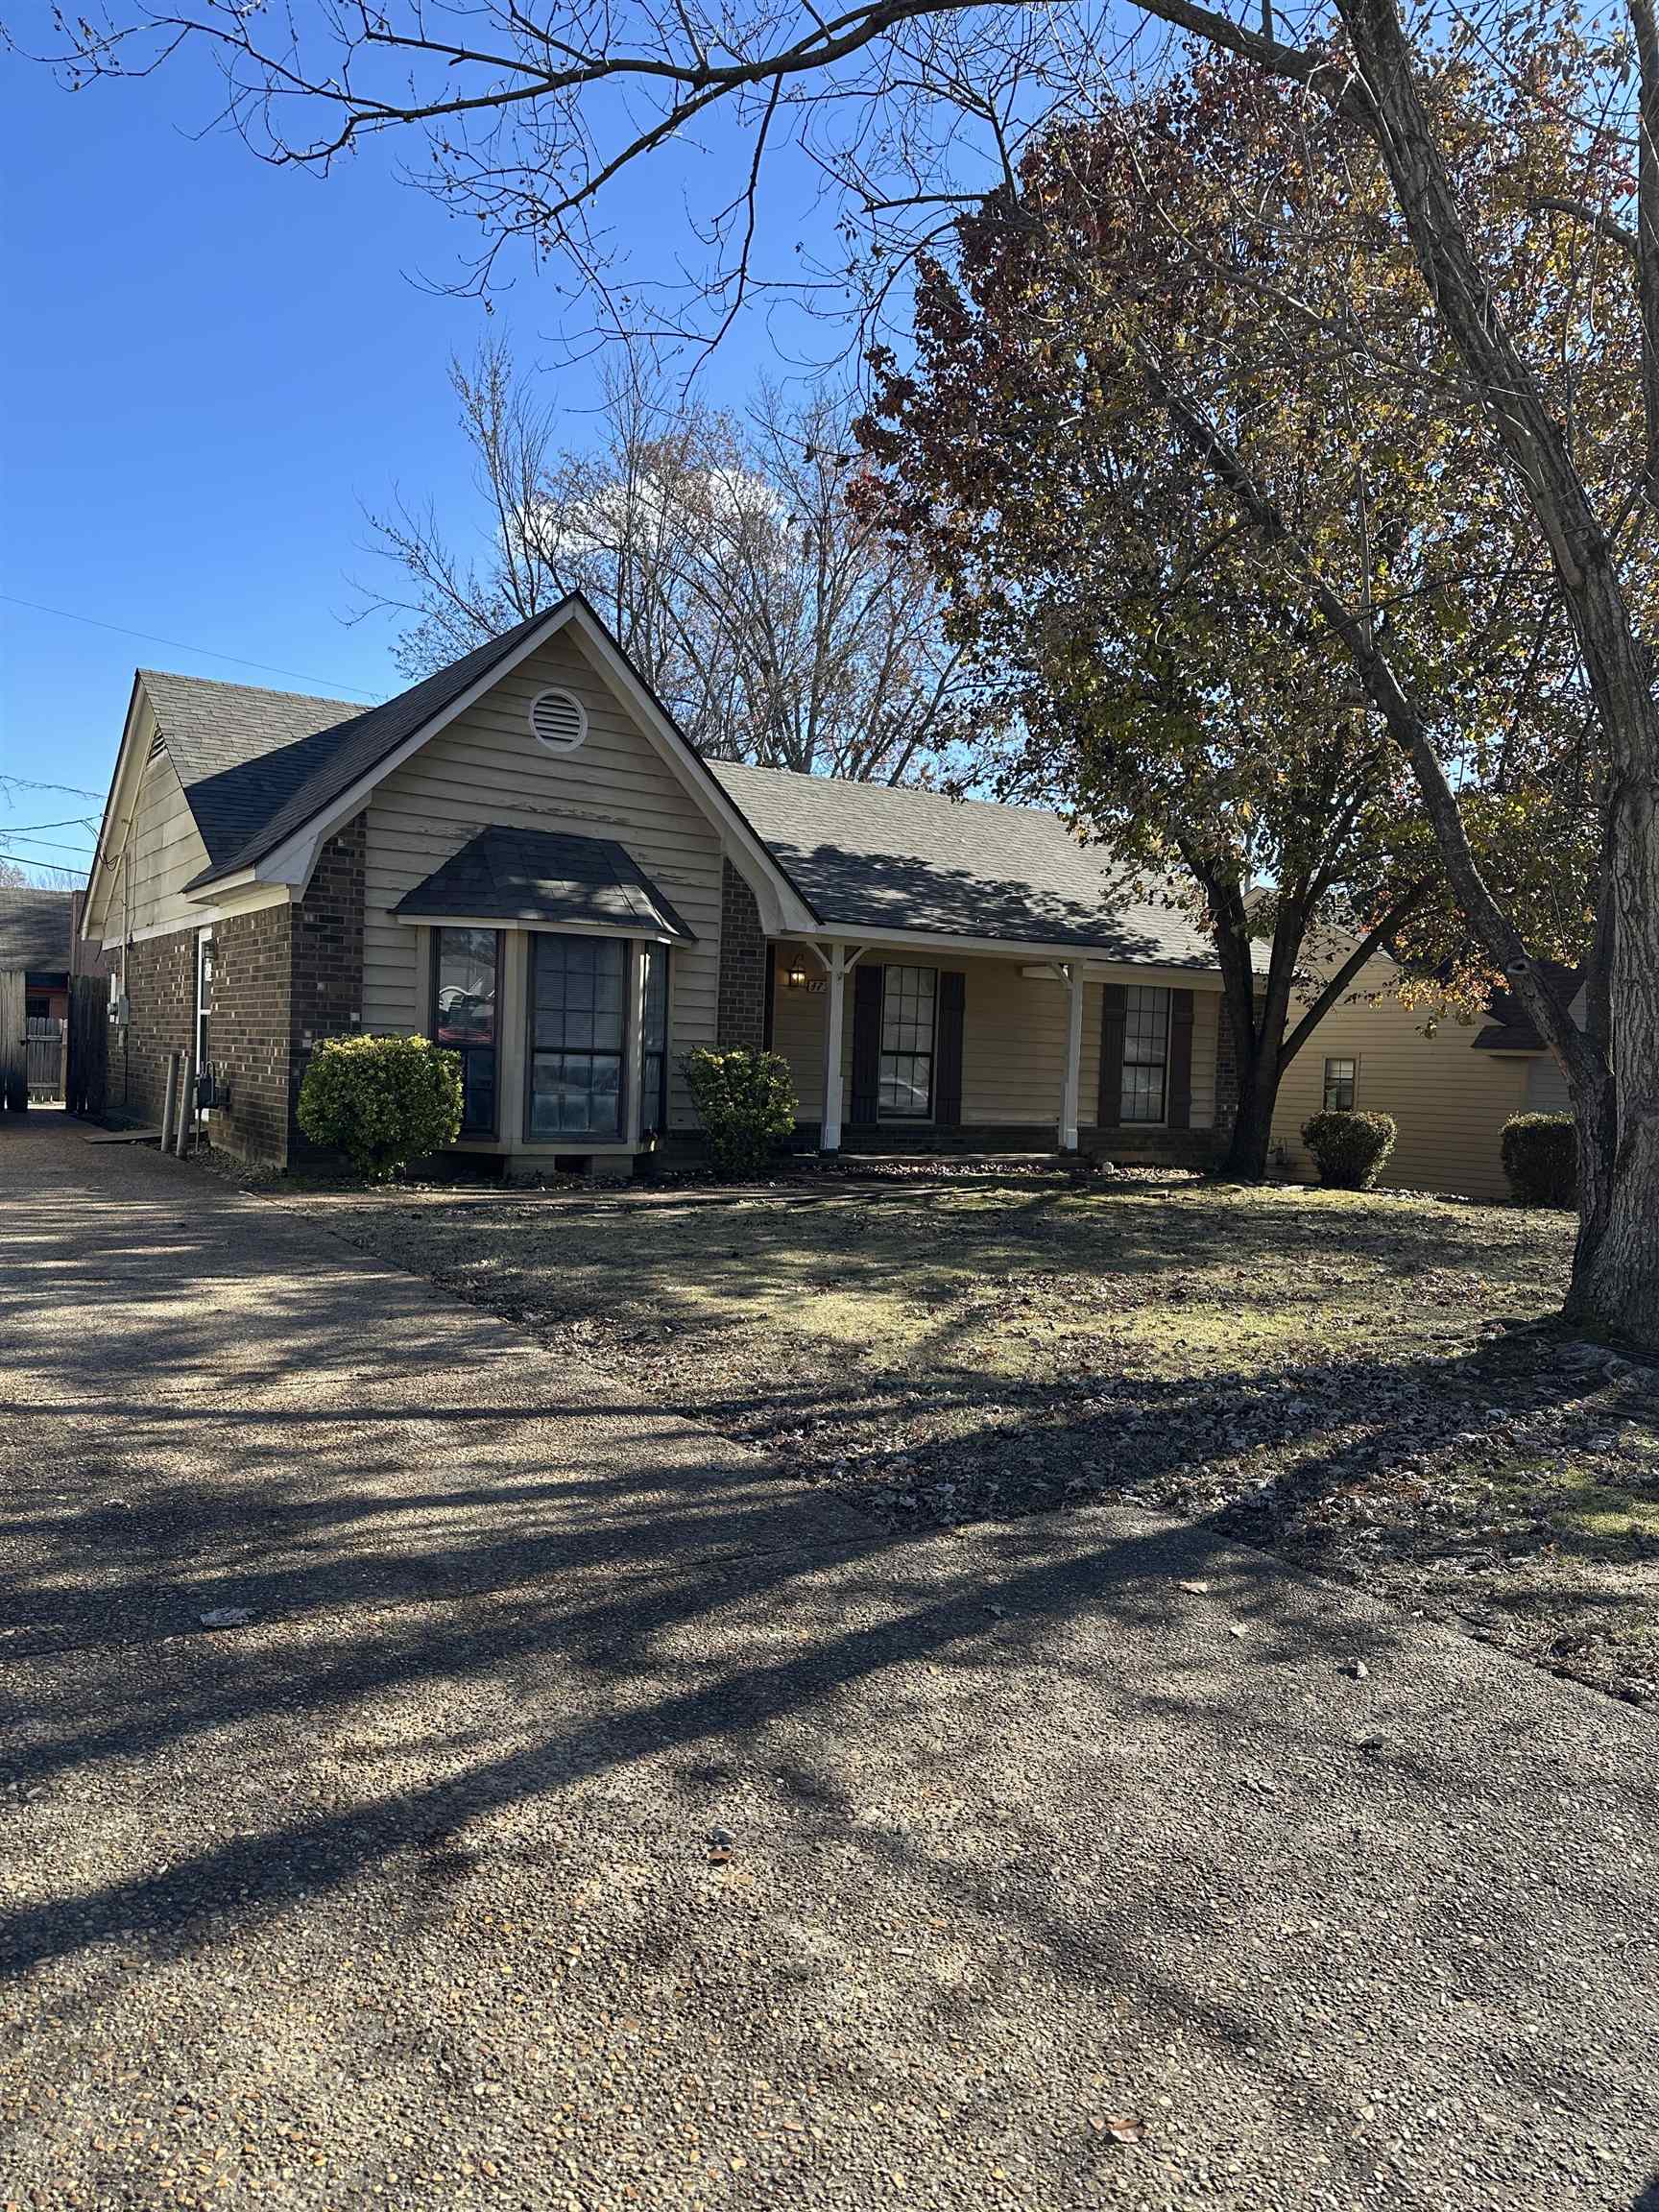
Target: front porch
column 902, row 1046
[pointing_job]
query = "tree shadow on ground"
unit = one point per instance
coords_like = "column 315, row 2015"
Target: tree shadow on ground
column 514, row 1620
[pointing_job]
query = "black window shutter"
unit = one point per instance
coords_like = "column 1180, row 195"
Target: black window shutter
column 1108, row 1112
column 770, row 1002
column 866, row 1042
column 948, row 1048
column 1180, row 1108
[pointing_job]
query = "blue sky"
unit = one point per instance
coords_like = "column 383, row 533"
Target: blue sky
column 206, row 366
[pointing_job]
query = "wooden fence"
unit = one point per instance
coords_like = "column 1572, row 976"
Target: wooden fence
column 13, row 1043
column 87, row 1071
column 44, row 1034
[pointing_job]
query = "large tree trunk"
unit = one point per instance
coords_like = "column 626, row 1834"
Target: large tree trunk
column 1616, row 1264
column 1264, row 1042
column 1616, row 1272
column 1613, row 1075
column 1251, row 1137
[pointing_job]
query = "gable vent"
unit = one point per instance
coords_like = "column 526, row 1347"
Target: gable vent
column 559, row 719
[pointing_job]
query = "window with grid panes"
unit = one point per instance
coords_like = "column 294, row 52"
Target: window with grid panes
column 464, row 966
column 1146, row 1052
column 578, row 1020
column 908, row 997
column 654, row 1105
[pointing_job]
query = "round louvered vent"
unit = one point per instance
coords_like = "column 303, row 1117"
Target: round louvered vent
column 559, row 719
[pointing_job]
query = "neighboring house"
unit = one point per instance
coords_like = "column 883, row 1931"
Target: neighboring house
column 39, row 936
column 41, row 954
column 1451, row 1085
column 36, row 928
column 523, row 858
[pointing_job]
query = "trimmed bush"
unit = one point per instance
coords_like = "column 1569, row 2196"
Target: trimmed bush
column 746, row 1104
column 1541, row 1159
column 1349, row 1149
column 383, row 1101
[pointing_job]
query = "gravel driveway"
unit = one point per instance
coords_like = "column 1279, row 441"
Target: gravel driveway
column 416, row 1889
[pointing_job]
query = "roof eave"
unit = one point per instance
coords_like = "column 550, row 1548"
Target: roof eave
column 1050, row 950
column 655, row 932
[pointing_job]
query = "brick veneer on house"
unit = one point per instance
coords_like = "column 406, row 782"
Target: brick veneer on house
column 284, row 978
column 160, row 983
column 1226, row 1078
column 741, row 1015
column 326, row 993
column 247, row 1032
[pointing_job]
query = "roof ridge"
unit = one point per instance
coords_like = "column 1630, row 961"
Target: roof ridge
column 322, row 784
column 258, row 691
column 890, row 791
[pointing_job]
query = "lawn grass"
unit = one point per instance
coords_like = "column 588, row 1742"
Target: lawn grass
column 1339, row 1375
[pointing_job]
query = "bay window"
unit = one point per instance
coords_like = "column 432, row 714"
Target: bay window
column 466, row 965
column 578, row 1021
column 654, row 1102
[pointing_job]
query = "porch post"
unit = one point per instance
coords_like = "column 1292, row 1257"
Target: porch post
column 829, row 1133
column 1073, row 1055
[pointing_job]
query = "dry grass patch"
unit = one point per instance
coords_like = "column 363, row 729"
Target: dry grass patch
column 1351, row 1378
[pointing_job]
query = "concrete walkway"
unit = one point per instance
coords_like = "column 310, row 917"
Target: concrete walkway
column 404, row 1894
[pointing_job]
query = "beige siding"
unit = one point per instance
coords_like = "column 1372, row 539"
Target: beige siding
column 1013, row 1044
column 163, row 851
column 1450, row 1101
column 1545, row 1084
column 798, row 1020
column 485, row 768
column 1206, row 1038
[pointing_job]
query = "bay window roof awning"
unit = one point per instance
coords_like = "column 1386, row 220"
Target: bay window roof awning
column 541, row 878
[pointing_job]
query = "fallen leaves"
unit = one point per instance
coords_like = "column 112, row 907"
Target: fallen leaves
column 1121, row 2127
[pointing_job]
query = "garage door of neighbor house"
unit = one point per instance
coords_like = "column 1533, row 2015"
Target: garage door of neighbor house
column 45, row 1036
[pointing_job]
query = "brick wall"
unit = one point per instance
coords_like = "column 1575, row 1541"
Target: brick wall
column 1226, row 1077
column 326, row 998
column 161, row 1019
column 741, row 1018
column 284, row 978
column 247, row 1032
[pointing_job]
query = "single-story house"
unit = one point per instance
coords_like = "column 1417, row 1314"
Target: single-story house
column 1450, row 1083
column 40, row 937
column 523, row 858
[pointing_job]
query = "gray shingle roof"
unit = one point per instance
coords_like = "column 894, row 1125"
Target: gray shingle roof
column 350, row 749
column 876, row 858
column 1508, row 1037
column 240, row 751
column 542, row 876
column 35, row 926
column 259, row 765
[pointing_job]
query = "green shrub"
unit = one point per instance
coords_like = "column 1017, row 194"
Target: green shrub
column 1541, row 1159
column 1349, row 1149
column 746, row 1104
column 383, row 1101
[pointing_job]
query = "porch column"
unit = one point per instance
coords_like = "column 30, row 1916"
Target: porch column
column 836, row 983
column 1073, row 973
